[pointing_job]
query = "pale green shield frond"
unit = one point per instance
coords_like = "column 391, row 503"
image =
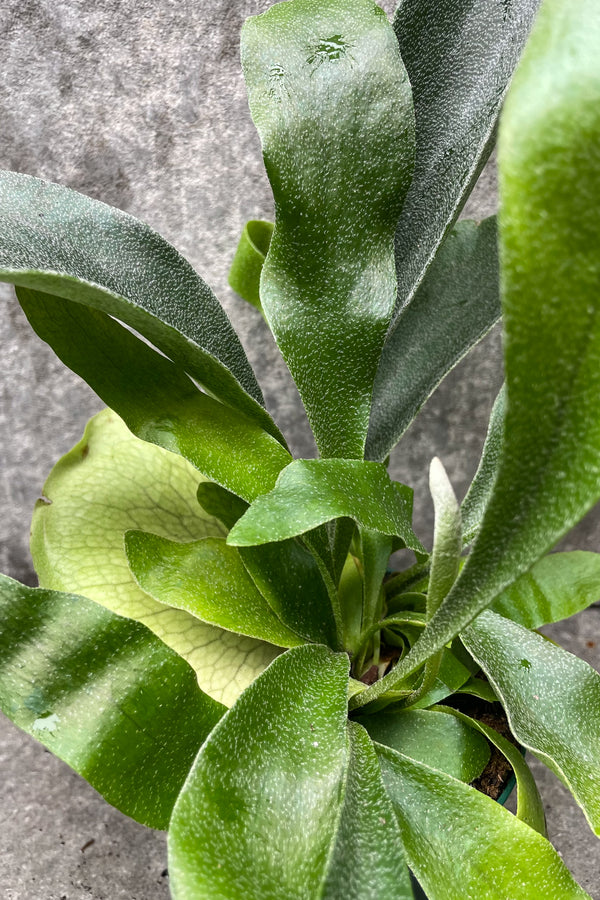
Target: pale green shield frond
column 109, row 483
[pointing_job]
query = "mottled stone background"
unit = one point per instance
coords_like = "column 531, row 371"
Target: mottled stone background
column 140, row 103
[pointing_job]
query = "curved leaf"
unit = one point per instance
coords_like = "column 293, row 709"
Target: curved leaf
column 310, row 492
column 103, row 694
column 555, row 588
column 460, row 843
column 477, row 498
column 432, row 738
column 54, row 240
column 332, row 104
column 551, row 698
column 158, row 402
column 208, row 579
column 460, row 57
column 109, row 483
column 244, row 275
column 257, row 814
column 457, row 303
column 549, row 474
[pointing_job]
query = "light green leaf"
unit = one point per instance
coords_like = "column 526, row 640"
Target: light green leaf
column 366, row 860
column 109, row 483
column 157, row 401
column 477, row 498
column 460, row 843
column 258, row 812
column 310, row 492
column 447, row 537
column 529, row 803
column 207, row 579
column 551, row 698
column 244, row 275
column 556, row 587
column 332, row 104
column 549, row 475
column 432, row 738
column 55, row 240
column 285, row 573
column 103, row 694
column 457, row 302
column 460, row 56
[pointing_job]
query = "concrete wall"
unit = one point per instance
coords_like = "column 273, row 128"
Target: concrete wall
column 141, row 104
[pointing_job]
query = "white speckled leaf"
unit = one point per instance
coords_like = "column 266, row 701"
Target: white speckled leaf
column 109, row 483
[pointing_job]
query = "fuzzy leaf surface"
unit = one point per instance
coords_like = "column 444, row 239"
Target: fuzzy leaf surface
column 155, row 398
column 103, row 694
column 310, row 492
column 457, row 302
column 55, row 240
column 108, row 484
column 551, row 698
column 332, row 103
column 460, row 843
column 477, row 497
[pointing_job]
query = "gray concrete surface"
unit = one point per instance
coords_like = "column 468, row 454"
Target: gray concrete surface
column 141, row 104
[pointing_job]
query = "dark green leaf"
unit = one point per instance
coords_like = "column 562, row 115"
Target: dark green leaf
column 479, row 493
column 432, row 738
column 460, row 843
column 455, row 305
column 156, row 400
column 460, row 56
column 244, row 275
column 104, row 694
column 310, row 492
column 55, row 240
column 261, row 806
column 367, row 859
column 217, row 501
column 77, row 544
column 208, row 579
column 332, row 103
column 551, row 698
column 555, row 588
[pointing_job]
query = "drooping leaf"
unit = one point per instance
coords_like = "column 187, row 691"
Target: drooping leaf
column 556, row 587
column 551, row 698
column 285, row 573
column 54, row 240
column 432, row 738
column 549, row 475
column 477, row 498
column 310, row 492
column 208, row 579
column 332, row 103
column 460, row 843
column 367, row 860
column 260, row 808
column 103, row 694
column 244, row 275
column 455, row 305
column 460, row 56
column 109, row 483
column 529, row 803
column 158, row 402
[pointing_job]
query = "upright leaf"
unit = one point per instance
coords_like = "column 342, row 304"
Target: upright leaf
column 104, row 694
column 479, row 493
column 460, row 843
column 332, row 103
column 244, row 275
column 156, row 399
column 109, row 483
column 457, row 302
column 551, row 698
column 258, row 812
column 310, row 492
column 55, row 240
column 460, row 56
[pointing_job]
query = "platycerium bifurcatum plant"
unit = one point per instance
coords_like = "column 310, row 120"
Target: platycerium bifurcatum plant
column 216, row 644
